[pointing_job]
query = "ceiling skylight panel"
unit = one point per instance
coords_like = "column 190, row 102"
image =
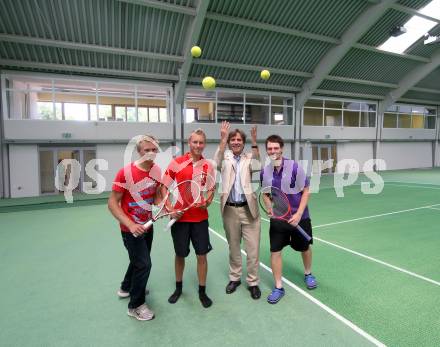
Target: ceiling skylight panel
column 416, row 27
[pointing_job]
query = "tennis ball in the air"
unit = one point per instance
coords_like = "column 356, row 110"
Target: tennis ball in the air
column 208, row 82
column 265, row 74
column 196, row 51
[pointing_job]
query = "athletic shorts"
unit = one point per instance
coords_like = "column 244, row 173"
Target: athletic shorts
column 197, row 232
column 284, row 234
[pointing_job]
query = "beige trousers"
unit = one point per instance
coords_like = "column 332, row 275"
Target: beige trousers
column 239, row 224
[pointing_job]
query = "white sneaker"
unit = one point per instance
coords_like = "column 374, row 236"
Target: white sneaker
column 141, row 313
column 122, row 293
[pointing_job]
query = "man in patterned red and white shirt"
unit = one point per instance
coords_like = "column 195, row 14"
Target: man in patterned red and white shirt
column 134, row 190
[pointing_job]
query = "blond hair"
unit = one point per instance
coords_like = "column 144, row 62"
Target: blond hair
column 198, row 131
column 146, row 138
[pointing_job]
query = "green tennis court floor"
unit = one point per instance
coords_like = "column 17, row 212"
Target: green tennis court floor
column 376, row 258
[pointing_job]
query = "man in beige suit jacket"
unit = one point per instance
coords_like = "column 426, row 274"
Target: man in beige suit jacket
column 238, row 203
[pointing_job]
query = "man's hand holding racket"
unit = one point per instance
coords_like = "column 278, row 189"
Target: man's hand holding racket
column 136, row 229
column 176, row 215
column 276, row 205
column 295, row 219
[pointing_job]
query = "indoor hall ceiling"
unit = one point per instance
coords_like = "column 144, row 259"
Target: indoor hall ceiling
column 318, row 45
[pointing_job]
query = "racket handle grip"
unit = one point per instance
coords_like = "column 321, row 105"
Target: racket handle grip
column 148, row 224
column 304, row 234
column 170, row 224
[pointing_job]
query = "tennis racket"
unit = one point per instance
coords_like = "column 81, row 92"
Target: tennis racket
column 205, row 184
column 276, row 205
column 178, row 198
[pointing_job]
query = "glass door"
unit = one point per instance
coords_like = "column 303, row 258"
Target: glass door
column 50, row 168
column 47, row 169
column 89, row 154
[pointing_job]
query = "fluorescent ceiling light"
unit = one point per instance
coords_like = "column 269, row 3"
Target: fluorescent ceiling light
column 431, row 39
column 416, row 28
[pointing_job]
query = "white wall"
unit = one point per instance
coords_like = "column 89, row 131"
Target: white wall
column 437, row 155
column 263, row 131
column 52, row 130
column 406, row 155
column 337, row 133
column 24, row 170
column 114, row 155
column 359, row 151
column 408, row 134
column 212, row 147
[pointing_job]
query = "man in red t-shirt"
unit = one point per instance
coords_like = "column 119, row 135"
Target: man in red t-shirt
column 134, row 191
column 192, row 225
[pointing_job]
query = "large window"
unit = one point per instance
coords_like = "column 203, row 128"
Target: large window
column 84, row 99
column 329, row 112
column 410, row 117
column 49, row 110
column 200, row 107
column 238, row 107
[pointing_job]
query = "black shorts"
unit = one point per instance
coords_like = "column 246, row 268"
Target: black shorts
column 197, row 232
column 284, row 234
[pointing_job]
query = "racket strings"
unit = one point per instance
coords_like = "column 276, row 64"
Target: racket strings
column 189, row 193
column 274, row 202
column 280, row 204
column 207, row 186
column 156, row 210
column 183, row 195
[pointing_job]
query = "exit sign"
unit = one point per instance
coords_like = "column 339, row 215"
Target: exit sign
column 66, row 135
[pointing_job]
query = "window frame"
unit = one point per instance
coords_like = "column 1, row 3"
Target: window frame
column 343, row 101
column 164, row 92
column 400, row 109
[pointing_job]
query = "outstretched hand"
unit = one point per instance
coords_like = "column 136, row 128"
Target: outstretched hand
column 254, row 135
column 224, row 130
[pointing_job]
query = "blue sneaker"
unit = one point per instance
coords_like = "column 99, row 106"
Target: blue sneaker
column 310, row 281
column 275, row 296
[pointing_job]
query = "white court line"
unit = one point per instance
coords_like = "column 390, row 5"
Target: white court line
column 433, row 208
column 316, row 301
column 411, row 182
column 362, row 218
column 374, row 259
column 408, row 185
column 375, row 216
column 380, row 262
column 371, row 258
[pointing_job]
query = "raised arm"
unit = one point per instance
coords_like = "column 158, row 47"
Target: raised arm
column 256, row 164
column 219, row 154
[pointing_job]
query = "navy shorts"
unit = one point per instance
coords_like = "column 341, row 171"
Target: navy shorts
column 284, row 234
column 197, row 232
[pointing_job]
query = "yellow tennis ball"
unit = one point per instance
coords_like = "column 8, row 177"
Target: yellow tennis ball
column 196, row 51
column 208, row 82
column 265, row 74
